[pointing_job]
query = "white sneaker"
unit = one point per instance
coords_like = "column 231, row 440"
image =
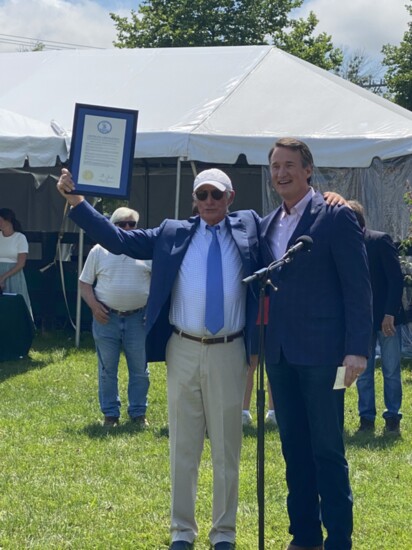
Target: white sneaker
column 246, row 418
column 271, row 418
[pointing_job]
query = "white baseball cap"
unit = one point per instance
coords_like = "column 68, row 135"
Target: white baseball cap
column 214, row 177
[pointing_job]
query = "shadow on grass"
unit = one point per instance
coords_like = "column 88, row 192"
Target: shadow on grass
column 16, row 367
column 50, row 347
column 62, row 339
column 367, row 440
column 252, row 431
column 97, row 431
column 162, row 432
column 371, row 441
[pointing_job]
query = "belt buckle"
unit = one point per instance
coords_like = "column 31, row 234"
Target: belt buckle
column 204, row 340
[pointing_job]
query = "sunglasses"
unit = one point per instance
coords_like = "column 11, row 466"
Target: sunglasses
column 216, row 195
column 123, row 225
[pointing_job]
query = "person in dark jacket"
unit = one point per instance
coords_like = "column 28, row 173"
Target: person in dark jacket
column 206, row 351
column 388, row 316
column 320, row 318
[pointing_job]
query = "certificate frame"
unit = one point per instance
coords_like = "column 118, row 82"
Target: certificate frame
column 102, row 150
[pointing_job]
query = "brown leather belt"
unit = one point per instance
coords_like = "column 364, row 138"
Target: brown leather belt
column 205, row 340
column 124, row 313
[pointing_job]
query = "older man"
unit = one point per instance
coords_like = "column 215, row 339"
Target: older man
column 199, row 317
column 116, row 290
column 319, row 318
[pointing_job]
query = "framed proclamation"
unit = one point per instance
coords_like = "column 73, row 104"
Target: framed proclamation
column 102, row 150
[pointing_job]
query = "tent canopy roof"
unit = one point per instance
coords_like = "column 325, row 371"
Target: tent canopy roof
column 22, row 136
column 210, row 104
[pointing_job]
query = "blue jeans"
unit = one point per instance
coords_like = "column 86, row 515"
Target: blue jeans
column 127, row 333
column 310, row 419
column 391, row 370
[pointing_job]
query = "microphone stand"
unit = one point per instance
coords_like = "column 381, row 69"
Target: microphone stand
column 263, row 277
column 260, row 407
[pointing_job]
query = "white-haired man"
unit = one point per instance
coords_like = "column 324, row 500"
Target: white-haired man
column 116, row 288
column 206, row 357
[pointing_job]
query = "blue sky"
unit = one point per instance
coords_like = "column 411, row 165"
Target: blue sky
column 363, row 25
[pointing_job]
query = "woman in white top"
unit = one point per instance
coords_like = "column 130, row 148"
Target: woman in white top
column 13, row 255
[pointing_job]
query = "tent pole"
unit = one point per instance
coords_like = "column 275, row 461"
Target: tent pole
column 79, row 297
column 178, row 173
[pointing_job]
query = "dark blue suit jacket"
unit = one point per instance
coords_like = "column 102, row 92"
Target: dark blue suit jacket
column 322, row 309
column 386, row 277
column 166, row 245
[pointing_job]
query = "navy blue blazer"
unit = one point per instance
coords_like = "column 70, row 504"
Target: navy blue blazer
column 322, row 309
column 166, row 245
column 386, row 277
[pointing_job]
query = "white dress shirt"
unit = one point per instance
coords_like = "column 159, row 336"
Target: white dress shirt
column 286, row 223
column 187, row 311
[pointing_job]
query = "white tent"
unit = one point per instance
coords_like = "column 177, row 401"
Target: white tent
column 22, row 137
column 222, row 105
column 211, row 104
column 214, row 106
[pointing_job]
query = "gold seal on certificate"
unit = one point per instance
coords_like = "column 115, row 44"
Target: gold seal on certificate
column 102, row 150
column 87, row 175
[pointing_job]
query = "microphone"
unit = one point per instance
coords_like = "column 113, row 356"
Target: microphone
column 302, row 243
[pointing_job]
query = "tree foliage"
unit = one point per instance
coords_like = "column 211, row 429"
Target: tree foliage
column 359, row 68
column 398, row 60
column 36, row 47
column 299, row 39
column 178, row 23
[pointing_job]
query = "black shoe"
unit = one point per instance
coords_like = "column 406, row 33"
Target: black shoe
column 141, row 421
column 224, row 546
column 366, row 425
column 181, row 545
column 111, row 421
column 393, row 425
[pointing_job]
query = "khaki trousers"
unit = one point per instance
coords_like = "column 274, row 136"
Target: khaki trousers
column 206, row 386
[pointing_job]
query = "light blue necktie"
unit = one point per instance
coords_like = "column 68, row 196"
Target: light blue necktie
column 214, row 317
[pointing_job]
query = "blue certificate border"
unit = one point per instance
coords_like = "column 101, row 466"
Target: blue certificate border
column 122, row 191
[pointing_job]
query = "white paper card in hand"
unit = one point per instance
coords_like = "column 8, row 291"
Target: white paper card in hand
column 340, row 379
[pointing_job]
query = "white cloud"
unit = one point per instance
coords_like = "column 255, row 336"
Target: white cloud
column 356, row 24
column 84, row 22
column 364, row 25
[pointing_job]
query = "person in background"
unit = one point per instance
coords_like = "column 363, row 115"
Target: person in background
column 254, row 359
column 320, row 317
column 13, row 255
column 116, row 288
column 388, row 316
column 199, row 318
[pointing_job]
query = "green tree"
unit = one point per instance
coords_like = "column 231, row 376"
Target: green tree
column 36, row 47
column 298, row 39
column 359, row 68
column 178, row 23
column 398, row 60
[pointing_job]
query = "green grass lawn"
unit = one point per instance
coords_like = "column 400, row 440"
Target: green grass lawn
column 67, row 482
